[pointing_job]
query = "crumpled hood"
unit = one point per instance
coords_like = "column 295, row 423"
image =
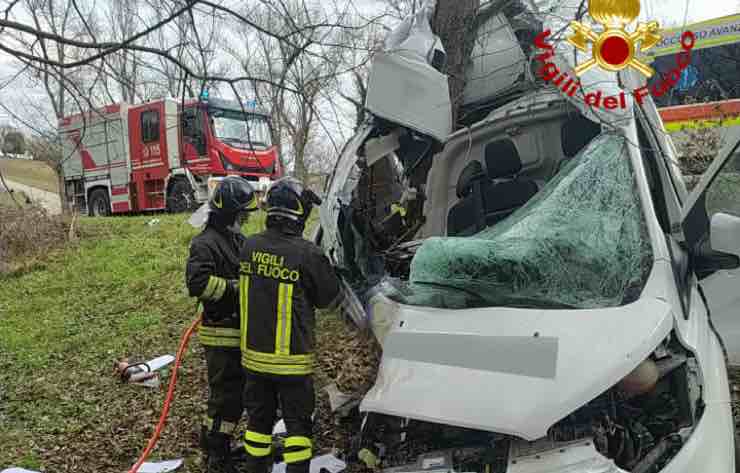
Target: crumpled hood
column 506, row 370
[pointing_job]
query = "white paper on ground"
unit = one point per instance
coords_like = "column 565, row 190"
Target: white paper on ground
column 160, row 362
column 160, row 467
column 330, row 462
column 13, row 469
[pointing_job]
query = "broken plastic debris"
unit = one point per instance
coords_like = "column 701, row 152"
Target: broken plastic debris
column 160, row 467
column 329, row 463
column 17, row 470
column 152, row 222
column 279, row 428
column 337, row 398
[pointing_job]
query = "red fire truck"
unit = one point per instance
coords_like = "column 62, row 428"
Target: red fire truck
column 163, row 154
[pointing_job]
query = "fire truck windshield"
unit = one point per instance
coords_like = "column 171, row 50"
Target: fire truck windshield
column 231, row 127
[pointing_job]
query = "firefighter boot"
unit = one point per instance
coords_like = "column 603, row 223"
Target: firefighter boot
column 217, row 449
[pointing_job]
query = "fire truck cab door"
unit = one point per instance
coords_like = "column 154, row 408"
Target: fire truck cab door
column 194, row 137
column 149, row 165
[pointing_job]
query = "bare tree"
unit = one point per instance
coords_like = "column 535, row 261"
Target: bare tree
column 454, row 23
column 309, row 67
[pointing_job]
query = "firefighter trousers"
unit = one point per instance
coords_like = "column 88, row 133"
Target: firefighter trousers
column 225, row 388
column 294, row 395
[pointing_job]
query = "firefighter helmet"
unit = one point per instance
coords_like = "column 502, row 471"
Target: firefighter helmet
column 288, row 198
column 233, row 195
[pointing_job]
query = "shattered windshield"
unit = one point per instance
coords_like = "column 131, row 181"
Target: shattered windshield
column 581, row 242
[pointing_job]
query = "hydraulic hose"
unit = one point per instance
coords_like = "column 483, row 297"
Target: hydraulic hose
column 168, row 399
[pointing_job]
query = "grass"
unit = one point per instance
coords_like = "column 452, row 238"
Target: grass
column 31, row 173
column 118, row 292
column 7, row 201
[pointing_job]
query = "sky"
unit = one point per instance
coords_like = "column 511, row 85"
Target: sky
column 668, row 12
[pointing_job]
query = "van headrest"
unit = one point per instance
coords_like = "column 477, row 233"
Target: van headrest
column 472, row 172
column 502, row 159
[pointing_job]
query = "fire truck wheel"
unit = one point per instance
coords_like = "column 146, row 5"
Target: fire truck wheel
column 180, row 198
column 99, row 204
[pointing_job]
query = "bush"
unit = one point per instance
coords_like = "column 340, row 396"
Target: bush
column 28, row 232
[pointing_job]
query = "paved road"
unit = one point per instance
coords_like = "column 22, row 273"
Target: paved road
column 48, row 200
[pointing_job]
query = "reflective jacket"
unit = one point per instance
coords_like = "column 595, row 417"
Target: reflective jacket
column 211, row 275
column 283, row 279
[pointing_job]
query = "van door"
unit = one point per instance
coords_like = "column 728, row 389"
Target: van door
column 711, row 225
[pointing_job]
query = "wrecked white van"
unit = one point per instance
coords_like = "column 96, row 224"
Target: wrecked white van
column 547, row 294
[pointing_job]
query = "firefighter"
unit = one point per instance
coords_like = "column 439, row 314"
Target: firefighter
column 212, row 277
column 283, row 279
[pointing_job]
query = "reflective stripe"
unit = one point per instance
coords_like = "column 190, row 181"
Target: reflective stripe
column 257, row 437
column 264, row 442
column 218, row 331
column 223, row 342
column 244, row 305
column 210, row 288
column 226, row 427
column 284, row 319
column 279, row 325
column 220, row 290
column 258, row 451
column 215, row 289
column 286, row 370
column 278, row 359
column 298, row 441
column 296, row 457
column 219, row 336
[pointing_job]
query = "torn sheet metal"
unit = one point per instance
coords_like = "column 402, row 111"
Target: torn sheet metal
column 581, row 242
column 403, row 86
column 340, row 403
column 413, row 37
column 540, row 377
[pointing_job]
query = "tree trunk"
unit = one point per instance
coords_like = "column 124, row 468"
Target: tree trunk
column 299, row 166
column 454, row 23
column 62, row 189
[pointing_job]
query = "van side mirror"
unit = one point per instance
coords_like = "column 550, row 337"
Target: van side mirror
column 725, row 233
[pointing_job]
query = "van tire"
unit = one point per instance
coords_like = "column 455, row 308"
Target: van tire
column 99, row 203
column 180, row 197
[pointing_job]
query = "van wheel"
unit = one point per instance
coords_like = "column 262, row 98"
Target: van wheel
column 99, row 204
column 180, row 198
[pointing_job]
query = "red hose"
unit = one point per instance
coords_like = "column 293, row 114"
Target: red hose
column 168, row 399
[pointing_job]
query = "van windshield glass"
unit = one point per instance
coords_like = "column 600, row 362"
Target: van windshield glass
column 581, row 242
column 231, row 127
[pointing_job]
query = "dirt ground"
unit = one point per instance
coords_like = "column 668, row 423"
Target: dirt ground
column 31, row 173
